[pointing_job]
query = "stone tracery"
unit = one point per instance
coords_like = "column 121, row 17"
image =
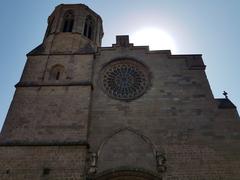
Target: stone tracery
column 125, row 79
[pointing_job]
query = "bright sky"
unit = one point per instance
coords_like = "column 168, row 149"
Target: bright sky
column 203, row 27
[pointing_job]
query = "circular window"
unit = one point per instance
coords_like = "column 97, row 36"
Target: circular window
column 125, row 79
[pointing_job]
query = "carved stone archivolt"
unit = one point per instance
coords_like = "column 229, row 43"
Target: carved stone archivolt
column 125, row 79
column 147, row 155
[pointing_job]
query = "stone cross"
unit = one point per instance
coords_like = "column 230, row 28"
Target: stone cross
column 225, row 94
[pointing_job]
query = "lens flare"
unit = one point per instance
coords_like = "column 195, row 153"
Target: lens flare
column 157, row 39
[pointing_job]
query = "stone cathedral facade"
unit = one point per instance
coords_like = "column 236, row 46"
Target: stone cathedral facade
column 86, row 112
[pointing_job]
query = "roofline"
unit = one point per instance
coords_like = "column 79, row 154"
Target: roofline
column 79, row 4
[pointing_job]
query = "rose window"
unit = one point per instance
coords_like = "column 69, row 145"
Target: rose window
column 125, row 79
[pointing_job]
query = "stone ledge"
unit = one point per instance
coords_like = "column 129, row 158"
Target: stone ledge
column 36, row 84
column 22, row 143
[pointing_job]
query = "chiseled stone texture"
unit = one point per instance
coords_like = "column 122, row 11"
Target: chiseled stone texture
column 42, row 162
column 71, row 42
column 46, row 110
column 62, row 125
column 126, row 149
column 78, row 68
column 48, row 114
column 178, row 114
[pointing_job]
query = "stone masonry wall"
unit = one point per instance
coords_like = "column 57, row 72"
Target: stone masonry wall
column 42, row 162
column 48, row 114
column 178, row 114
column 78, row 68
column 49, row 110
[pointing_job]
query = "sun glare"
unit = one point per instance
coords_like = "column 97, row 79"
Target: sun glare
column 156, row 38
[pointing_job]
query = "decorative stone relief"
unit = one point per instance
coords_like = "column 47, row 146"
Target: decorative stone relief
column 161, row 162
column 93, row 163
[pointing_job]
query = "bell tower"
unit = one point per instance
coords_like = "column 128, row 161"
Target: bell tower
column 52, row 99
column 73, row 29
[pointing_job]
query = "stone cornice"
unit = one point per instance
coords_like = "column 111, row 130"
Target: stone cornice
column 42, row 84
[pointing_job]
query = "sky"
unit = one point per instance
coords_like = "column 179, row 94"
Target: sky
column 210, row 28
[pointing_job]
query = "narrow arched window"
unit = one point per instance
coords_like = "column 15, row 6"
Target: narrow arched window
column 89, row 28
column 57, row 72
column 68, row 22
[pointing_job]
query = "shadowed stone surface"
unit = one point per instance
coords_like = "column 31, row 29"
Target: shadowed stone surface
column 82, row 111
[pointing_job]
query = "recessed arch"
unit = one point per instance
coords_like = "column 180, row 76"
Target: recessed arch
column 89, row 27
column 57, row 72
column 128, row 147
column 136, row 132
column 68, row 21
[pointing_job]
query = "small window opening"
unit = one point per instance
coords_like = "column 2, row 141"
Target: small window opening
column 46, row 171
column 68, row 22
column 90, row 33
column 57, row 72
column 89, row 28
column 85, row 30
column 65, row 28
column 58, row 75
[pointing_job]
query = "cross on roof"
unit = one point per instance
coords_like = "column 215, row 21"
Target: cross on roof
column 225, row 94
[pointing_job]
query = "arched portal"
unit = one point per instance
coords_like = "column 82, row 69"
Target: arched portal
column 126, row 148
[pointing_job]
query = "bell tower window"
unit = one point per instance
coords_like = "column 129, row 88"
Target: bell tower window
column 89, row 28
column 68, row 22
